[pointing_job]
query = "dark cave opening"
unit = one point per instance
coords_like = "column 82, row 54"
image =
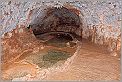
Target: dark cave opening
column 58, row 32
column 58, row 20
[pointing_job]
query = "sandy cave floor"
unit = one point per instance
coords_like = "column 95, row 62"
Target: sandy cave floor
column 92, row 63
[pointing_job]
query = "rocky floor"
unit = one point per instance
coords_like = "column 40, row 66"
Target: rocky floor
column 22, row 53
column 92, row 62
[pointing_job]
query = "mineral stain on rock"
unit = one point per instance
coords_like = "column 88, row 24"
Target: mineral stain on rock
column 53, row 56
column 49, row 58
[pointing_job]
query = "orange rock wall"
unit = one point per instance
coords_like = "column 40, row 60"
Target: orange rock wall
column 101, row 19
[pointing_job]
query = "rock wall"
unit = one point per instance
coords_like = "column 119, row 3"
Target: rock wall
column 101, row 19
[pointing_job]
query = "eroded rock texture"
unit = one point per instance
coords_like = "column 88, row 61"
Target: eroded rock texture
column 101, row 19
column 22, row 53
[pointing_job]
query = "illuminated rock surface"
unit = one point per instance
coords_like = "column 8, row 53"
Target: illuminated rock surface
column 88, row 61
column 92, row 62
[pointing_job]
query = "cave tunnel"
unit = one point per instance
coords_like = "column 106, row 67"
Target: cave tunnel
column 63, row 41
column 58, row 20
